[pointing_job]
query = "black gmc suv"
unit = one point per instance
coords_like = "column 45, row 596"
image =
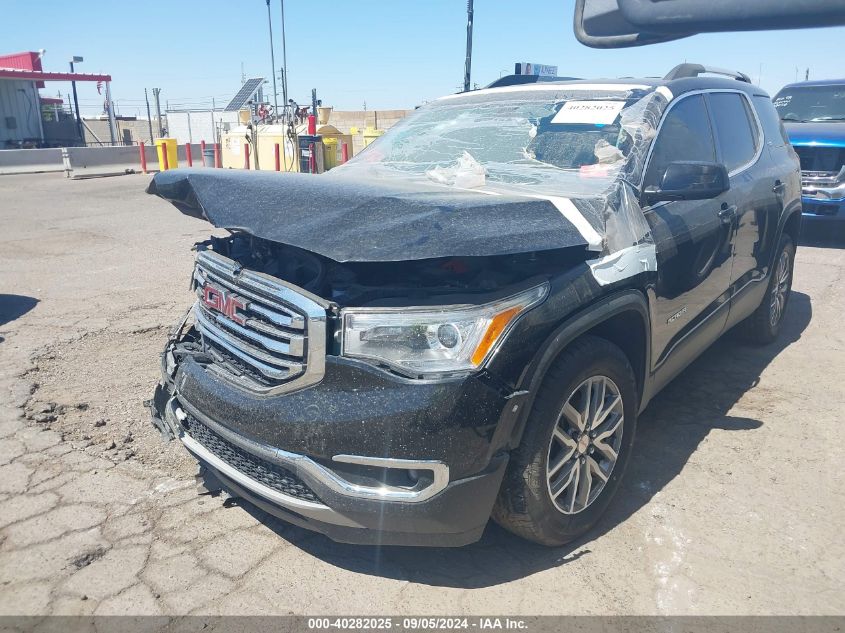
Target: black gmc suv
column 465, row 320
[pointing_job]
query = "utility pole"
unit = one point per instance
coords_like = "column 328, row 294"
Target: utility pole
column 284, row 58
column 156, row 93
column 77, row 59
column 272, row 65
column 468, row 64
column 112, row 126
column 149, row 116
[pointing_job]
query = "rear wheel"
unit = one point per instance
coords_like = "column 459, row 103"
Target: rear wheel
column 575, row 447
column 764, row 325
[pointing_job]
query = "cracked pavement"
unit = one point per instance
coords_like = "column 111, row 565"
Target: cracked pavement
column 733, row 502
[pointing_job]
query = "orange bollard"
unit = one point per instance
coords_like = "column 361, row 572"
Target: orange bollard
column 164, row 167
column 344, row 153
column 188, row 154
column 246, row 155
column 143, row 157
column 276, row 155
column 217, row 162
column 312, row 161
column 202, row 153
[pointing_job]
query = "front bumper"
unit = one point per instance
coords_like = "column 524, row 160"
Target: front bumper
column 363, row 457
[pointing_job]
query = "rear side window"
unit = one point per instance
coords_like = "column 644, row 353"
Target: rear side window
column 772, row 127
column 684, row 135
column 735, row 129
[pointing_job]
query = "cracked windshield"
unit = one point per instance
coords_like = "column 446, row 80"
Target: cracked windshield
column 558, row 144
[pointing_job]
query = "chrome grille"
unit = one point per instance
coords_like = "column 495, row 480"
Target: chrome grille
column 267, row 335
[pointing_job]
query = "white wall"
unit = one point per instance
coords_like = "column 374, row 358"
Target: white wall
column 193, row 127
column 19, row 99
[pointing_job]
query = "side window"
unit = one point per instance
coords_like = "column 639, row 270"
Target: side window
column 684, row 135
column 772, row 127
column 737, row 139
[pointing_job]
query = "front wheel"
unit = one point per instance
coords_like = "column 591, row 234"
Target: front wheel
column 575, row 447
column 765, row 323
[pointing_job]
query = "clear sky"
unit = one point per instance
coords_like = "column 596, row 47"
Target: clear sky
column 387, row 53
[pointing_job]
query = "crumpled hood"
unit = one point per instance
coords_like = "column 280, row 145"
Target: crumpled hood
column 820, row 133
column 352, row 220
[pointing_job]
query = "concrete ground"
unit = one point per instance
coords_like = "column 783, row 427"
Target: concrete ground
column 733, row 503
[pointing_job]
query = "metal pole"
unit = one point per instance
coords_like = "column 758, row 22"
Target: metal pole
column 468, row 63
column 273, row 63
column 284, row 58
column 76, row 108
column 111, row 112
column 314, row 103
column 156, row 93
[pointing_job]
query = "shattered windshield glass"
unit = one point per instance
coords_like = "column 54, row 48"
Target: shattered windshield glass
column 557, row 141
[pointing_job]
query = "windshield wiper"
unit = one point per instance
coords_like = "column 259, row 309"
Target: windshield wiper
column 793, row 119
column 829, row 118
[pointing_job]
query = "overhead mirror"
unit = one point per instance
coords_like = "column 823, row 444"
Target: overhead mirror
column 624, row 23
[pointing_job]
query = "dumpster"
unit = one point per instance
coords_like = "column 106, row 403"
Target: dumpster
column 171, row 147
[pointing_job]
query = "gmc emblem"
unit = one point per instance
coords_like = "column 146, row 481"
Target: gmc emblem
column 226, row 303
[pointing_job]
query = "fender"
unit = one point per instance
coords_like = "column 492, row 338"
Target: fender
column 570, row 329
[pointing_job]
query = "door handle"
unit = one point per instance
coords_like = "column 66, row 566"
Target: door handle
column 779, row 187
column 727, row 213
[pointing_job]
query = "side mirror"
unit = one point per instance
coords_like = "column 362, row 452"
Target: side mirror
column 689, row 180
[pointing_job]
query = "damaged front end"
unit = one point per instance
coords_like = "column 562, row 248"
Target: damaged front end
column 353, row 360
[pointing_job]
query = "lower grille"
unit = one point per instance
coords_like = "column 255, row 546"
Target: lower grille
column 271, row 475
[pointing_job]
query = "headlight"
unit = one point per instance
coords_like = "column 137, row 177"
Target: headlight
column 433, row 340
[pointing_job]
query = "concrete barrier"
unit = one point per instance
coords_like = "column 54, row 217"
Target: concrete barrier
column 30, row 161
column 89, row 162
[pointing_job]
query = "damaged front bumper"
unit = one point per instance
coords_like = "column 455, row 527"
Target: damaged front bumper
column 363, row 457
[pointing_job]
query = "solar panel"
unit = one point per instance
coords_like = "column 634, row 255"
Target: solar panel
column 249, row 88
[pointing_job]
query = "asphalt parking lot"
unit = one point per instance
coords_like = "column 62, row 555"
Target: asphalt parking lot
column 733, row 503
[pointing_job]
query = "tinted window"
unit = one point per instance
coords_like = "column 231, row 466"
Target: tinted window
column 733, row 129
column 684, row 135
column 773, row 128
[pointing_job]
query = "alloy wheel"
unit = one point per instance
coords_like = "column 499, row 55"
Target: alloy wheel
column 585, row 444
column 779, row 290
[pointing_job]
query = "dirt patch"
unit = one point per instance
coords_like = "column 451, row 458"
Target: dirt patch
column 92, row 389
column 83, row 560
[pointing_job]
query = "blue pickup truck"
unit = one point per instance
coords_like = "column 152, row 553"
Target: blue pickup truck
column 813, row 113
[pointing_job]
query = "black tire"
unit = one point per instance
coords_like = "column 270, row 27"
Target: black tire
column 525, row 505
column 761, row 328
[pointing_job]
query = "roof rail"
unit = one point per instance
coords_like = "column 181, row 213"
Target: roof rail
column 682, row 71
column 515, row 80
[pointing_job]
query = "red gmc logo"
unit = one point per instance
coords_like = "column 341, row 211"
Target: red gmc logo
column 224, row 302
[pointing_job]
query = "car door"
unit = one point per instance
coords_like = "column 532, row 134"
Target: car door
column 693, row 243
column 755, row 184
column 775, row 186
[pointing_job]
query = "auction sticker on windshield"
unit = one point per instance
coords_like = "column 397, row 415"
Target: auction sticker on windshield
column 595, row 112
